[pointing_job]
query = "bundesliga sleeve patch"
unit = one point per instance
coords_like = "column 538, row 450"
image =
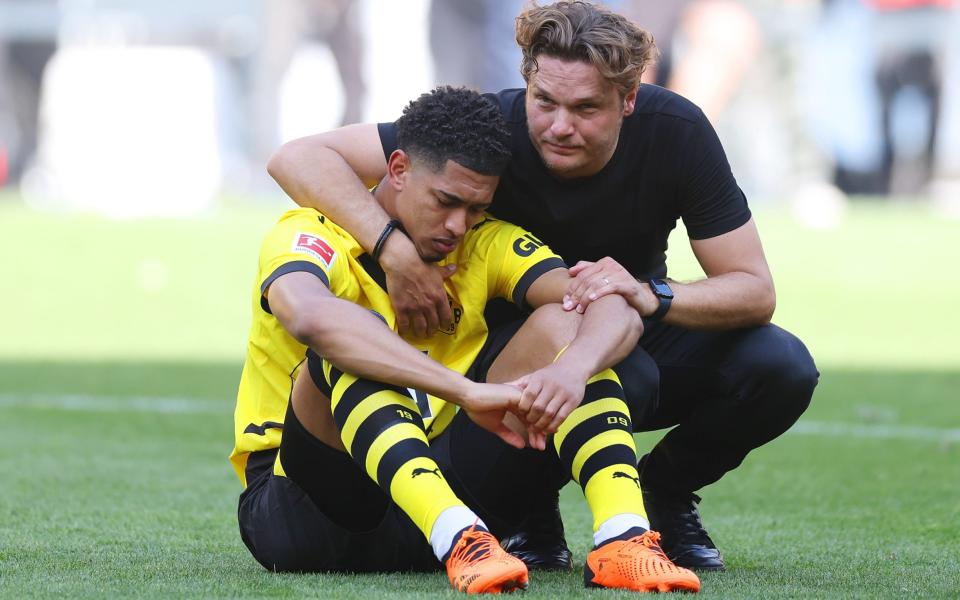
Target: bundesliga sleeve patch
column 315, row 246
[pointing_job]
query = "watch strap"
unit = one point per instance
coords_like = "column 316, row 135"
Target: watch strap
column 664, row 300
column 661, row 310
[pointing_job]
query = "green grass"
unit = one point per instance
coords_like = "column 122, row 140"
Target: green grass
column 122, row 344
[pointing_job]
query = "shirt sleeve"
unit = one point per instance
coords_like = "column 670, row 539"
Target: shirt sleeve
column 388, row 138
column 711, row 202
column 301, row 242
column 515, row 258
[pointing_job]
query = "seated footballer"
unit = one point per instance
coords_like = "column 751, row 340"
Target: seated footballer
column 389, row 454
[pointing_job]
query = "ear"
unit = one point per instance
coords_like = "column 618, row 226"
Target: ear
column 629, row 103
column 398, row 168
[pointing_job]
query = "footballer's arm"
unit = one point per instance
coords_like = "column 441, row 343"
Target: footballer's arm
column 606, row 335
column 331, row 172
column 356, row 341
column 598, row 339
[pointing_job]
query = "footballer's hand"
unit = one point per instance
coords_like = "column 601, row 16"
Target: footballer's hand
column 536, row 439
column 592, row 280
column 415, row 288
column 488, row 403
column 549, row 395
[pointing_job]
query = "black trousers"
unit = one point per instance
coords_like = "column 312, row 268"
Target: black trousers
column 727, row 392
column 327, row 515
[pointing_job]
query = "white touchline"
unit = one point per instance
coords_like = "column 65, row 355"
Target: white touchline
column 878, row 431
column 94, row 403
column 214, row 406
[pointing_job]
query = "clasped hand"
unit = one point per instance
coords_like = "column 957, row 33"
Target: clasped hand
column 539, row 401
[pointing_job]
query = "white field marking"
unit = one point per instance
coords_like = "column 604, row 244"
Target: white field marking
column 94, row 403
column 185, row 405
column 877, row 431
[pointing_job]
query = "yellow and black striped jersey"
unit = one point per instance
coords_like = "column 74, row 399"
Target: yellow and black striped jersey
column 495, row 259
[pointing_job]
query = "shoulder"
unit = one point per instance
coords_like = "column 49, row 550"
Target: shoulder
column 309, row 228
column 654, row 101
column 495, row 241
column 672, row 124
column 491, row 240
column 307, row 219
column 484, row 233
column 511, row 104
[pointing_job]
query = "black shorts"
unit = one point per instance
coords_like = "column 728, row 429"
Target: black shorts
column 285, row 530
column 328, row 515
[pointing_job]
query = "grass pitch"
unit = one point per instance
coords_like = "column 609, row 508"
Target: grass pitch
column 122, row 344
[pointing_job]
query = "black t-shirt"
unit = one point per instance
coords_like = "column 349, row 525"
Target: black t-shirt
column 668, row 164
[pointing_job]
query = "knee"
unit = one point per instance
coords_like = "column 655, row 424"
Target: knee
column 781, row 363
column 551, row 323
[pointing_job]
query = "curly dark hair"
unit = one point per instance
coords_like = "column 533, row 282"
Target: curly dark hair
column 455, row 124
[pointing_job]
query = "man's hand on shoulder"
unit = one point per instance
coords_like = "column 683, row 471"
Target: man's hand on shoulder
column 415, row 288
column 592, row 280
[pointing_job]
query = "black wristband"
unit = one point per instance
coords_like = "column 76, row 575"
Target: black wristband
column 661, row 310
column 661, row 290
column 378, row 247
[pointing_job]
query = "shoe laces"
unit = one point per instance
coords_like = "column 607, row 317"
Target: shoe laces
column 472, row 547
column 684, row 518
column 650, row 540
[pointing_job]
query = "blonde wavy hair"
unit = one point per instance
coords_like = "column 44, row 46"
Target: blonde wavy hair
column 582, row 31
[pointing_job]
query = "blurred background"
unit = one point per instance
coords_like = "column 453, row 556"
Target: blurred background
column 134, row 137
column 184, row 101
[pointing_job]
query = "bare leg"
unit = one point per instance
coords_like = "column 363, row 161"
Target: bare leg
column 536, row 344
column 313, row 411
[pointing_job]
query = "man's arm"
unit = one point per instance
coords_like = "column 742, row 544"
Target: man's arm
column 331, row 172
column 355, row 340
column 737, row 292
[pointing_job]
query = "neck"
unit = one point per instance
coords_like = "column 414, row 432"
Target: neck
column 386, row 197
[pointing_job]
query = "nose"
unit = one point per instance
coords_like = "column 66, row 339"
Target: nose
column 562, row 125
column 457, row 222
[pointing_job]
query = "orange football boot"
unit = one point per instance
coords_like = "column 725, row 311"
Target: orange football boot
column 637, row 564
column 478, row 565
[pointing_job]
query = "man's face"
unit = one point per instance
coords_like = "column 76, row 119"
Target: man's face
column 437, row 208
column 574, row 116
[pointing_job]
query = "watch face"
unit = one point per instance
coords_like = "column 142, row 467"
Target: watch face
column 660, row 288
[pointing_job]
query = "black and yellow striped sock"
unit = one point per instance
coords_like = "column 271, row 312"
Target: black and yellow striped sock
column 382, row 430
column 596, row 443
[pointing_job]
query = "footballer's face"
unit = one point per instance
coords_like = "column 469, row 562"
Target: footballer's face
column 436, row 208
column 574, row 116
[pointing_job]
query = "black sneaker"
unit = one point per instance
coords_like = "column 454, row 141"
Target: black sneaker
column 684, row 540
column 540, row 542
